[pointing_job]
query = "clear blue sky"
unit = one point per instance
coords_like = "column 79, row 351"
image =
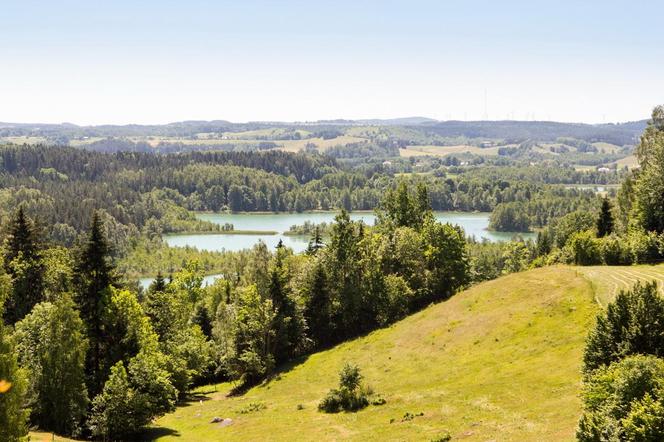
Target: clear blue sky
column 90, row 62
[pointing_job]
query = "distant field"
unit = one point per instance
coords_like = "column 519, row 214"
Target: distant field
column 322, row 144
column 415, row 151
column 607, row 147
column 24, row 140
column 630, row 161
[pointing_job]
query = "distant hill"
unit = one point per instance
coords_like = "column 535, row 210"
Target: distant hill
column 619, row 134
column 511, row 131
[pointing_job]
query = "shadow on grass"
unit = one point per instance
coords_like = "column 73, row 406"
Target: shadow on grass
column 153, row 433
column 194, row 398
column 241, row 389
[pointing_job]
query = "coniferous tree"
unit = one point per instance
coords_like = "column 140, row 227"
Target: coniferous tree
column 25, row 265
column 288, row 324
column 605, row 220
column 94, row 273
column 159, row 283
column 318, row 307
column 202, row 319
column 315, row 243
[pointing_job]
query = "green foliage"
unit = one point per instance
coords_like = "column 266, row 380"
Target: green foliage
column 13, row 386
column 405, row 209
column 350, row 396
column 51, row 345
column 318, row 307
column 568, row 225
column 649, row 189
column 24, row 263
column 252, row 335
column 132, row 398
column 516, row 257
column 510, row 217
column 93, row 274
column 631, row 324
column 605, row 219
column 584, row 248
column 624, row 401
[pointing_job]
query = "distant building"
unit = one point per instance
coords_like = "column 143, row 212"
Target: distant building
column 484, row 144
column 604, row 169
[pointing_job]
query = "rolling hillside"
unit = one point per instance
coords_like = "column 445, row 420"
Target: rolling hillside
column 499, row 361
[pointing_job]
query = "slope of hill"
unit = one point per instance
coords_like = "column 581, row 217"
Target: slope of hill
column 500, row 361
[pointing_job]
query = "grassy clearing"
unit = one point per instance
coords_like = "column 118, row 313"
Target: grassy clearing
column 412, row 151
column 321, row 144
column 630, row 161
column 499, row 361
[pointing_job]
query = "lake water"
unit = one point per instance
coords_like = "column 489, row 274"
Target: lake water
column 207, row 280
column 474, row 224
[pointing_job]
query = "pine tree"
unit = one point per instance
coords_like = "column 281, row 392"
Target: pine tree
column 24, row 263
column 318, row 307
column 94, row 273
column 316, row 242
column 605, row 220
column 202, row 319
column 159, row 284
column 287, row 321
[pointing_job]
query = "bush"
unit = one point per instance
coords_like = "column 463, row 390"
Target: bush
column 631, row 324
column 584, row 248
column 612, row 251
column 644, row 246
column 132, row 398
column 350, row 396
column 624, row 401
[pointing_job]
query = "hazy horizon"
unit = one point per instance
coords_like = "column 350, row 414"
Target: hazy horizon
column 160, row 62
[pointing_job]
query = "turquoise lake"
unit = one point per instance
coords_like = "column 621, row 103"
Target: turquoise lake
column 474, row 224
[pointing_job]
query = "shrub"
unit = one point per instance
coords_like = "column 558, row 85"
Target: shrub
column 132, row 398
column 584, row 248
column 350, row 396
column 612, row 251
column 624, row 401
column 644, row 246
column 631, row 324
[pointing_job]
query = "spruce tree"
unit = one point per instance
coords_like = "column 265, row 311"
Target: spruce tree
column 202, row 319
column 25, row 265
column 94, row 273
column 318, row 307
column 315, row 243
column 605, row 220
column 287, row 321
column 159, row 284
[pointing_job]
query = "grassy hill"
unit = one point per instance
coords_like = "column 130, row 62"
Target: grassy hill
column 500, row 361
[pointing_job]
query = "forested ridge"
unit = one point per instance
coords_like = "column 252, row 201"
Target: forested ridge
column 139, row 191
